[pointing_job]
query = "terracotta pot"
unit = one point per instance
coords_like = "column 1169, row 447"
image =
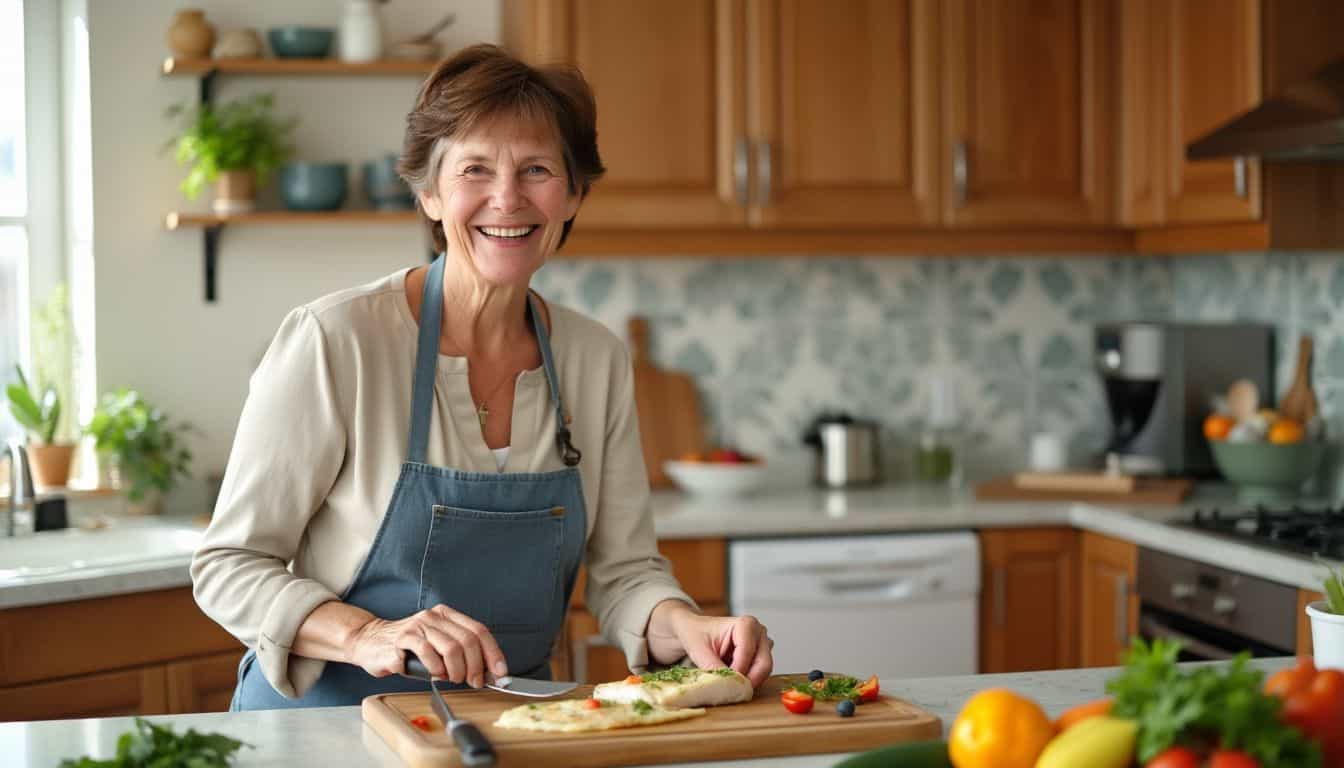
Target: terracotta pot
column 235, row 192
column 190, row 35
column 51, row 463
column 150, row 504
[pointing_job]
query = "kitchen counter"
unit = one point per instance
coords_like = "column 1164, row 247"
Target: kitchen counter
column 143, row 554
column 336, row 736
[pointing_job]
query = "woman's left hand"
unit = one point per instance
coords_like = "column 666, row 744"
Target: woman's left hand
column 711, row 641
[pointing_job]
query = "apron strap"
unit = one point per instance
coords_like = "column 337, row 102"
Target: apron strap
column 568, row 453
column 426, row 361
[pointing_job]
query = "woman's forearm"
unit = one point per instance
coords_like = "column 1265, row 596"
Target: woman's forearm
column 329, row 631
column 661, row 634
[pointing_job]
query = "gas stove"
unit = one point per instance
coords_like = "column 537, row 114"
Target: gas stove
column 1297, row 529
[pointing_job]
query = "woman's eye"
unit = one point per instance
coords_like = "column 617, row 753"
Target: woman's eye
column 538, row 170
column 474, row 170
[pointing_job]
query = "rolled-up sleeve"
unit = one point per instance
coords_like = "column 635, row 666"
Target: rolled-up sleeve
column 286, row 455
column 627, row 576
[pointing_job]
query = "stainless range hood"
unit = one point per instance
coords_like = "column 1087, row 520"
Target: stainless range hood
column 1304, row 122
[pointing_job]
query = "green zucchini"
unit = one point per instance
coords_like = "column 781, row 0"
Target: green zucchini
column 914, row 754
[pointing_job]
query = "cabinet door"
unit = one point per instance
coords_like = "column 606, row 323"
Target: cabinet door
column 1143, row 112
column 667, row 78
column 1304, row 598
column 842, row 111
column 109, row 694
column 1109, row 613
column 1213, row 74
column 203, row 685
column 1026, row 97
column 1028, row 594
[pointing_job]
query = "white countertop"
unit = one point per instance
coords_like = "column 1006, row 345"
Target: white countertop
column 142, row 554
column 336, row 736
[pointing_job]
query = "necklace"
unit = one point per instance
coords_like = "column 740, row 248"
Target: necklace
column 482, row 411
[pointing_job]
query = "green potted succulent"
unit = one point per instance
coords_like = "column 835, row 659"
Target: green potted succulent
column 237, row 145
column 147, row 448
column 1327, row 622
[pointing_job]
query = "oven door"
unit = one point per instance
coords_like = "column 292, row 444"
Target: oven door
column 1199, row 641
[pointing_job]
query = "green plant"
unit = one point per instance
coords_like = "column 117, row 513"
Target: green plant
column 148, row 448
column 1334, row 589
column 236, row 135
column 54, row 353
column 39, row 413
column 158, row 745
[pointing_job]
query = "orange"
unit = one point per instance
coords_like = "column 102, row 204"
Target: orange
column 1082, row 712
column 1286, row 431
column 1217, row 426
column 999, row 729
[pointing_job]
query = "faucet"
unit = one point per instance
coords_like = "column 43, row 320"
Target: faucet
column 18, row 471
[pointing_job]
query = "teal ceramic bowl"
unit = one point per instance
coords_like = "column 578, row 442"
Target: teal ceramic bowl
column 314, row 186
column 1265, row 471
column 301, row 42
column 384, row 187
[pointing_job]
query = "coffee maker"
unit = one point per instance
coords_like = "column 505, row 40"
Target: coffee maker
column 1160, row 380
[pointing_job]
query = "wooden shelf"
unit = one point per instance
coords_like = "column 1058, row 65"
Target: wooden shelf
column 180, row 220
column 277, row 66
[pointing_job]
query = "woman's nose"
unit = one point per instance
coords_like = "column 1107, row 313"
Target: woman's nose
column 506, row 193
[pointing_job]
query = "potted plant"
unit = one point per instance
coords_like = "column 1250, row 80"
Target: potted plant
column 39, row 412
column 238, row 144
column 1327, row 623
column 147, row 448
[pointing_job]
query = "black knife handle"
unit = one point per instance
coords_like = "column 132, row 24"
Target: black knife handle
column 415, row 667
column 475, row 748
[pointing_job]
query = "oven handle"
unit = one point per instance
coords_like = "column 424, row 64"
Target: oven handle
column 1154, row 629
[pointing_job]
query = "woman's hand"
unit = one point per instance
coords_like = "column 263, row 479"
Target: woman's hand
column 675, row 630
column 452, row 645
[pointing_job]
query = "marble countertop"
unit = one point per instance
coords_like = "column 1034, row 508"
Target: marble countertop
column 336, row 736
column 141, row 554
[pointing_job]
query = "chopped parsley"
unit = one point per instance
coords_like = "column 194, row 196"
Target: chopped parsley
column 670, row 675
column 831, row 688
column 642, row 707
column 724, row 672
column 531, row 706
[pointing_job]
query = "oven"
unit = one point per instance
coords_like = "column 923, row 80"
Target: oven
column 1214, row 612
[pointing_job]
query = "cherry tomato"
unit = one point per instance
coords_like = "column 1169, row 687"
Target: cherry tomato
column 867, row 690
column 1232, row 758
column 592, row 704
column 797, row 702
column 634, row 679
column 1174, row 757
column 1313, row 701
column 422, row 722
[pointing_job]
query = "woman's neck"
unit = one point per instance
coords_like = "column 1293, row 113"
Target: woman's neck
column 480, row 319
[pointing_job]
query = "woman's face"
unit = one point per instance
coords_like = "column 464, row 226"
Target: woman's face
column 503, row 198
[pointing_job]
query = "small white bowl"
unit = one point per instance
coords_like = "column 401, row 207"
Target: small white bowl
column 716, row 478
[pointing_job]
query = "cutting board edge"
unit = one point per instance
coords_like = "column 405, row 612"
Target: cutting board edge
column 386, row 721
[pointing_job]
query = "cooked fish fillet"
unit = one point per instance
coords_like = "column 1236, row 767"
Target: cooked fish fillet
column 575, row 716
column 681, row 687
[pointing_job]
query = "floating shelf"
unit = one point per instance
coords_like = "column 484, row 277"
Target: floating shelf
column 277, row 66
column 212, row 225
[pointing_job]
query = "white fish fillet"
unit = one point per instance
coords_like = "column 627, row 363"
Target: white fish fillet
column 574, row 716
column 701, row 688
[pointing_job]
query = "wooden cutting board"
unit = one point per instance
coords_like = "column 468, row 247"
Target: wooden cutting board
column 758, row 728
column 669, row 408
column 1147, row 490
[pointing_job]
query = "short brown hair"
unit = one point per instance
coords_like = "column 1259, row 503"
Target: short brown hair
column 482, row 82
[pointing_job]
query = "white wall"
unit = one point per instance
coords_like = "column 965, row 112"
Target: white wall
column 155, row 332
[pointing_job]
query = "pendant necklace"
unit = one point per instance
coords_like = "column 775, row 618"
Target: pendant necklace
column 482, row 411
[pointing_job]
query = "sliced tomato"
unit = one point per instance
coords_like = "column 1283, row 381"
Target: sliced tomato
column 634, row 679
column 867, row 690
column 1232, row 758
column 422, row 722
column 1174, row 757
column 797, row 702
column 592, row 704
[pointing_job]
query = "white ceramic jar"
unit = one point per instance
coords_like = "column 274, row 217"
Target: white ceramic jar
column 1327, row 636
column 361, row 32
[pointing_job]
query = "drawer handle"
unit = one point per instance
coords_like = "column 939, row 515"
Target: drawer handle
column 1239, row 173
column 764, row 172
column 1000, row 596
column 741, row 170
column 961, row 173
column 1121, row 617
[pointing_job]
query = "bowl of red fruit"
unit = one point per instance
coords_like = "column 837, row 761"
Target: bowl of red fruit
column 720, row 472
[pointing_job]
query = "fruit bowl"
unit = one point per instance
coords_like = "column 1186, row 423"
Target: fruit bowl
column 707, row 478
column 1267, row 471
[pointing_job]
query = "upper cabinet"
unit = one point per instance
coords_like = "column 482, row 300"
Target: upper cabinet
column 1026, row 91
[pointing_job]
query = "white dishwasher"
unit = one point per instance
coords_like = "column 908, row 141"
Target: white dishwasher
column 904, row 604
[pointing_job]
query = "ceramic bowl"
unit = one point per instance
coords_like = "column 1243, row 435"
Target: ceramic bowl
column 716, row 479
column 313, row 186
column 1267, row 471
column 386, row 190
column 295, row 42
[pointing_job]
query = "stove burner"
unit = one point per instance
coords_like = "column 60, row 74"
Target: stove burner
column 1294, row 528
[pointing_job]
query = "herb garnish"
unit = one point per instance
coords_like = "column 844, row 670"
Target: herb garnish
column 156, row 745
column 670, row 675
column 831, row 688
column 724, row 672
column 642, row 707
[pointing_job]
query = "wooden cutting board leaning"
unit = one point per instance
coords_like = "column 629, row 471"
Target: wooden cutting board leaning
column 758, row 728
column 1092, row 487
column 669, row 408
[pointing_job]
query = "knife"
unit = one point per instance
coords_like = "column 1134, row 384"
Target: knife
column 518, row 686
column 475, row 748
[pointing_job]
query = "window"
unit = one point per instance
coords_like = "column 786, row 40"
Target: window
column 14, row 311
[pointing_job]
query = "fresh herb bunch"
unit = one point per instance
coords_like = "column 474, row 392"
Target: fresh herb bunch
column 158, row 746
column 831, row 688
column 1204, row 707
column 680, row 674
column 238, row 135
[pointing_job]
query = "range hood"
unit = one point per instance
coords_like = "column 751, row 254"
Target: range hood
column 1304, row 122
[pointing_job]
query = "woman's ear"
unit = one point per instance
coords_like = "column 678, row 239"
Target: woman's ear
column 429, row 203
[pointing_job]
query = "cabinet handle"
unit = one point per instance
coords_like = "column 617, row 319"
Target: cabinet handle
column 764, row 172
column 1239, row 177
column 961, row 173
column 1121, row 617
column 741, row 170
column 1000, row 588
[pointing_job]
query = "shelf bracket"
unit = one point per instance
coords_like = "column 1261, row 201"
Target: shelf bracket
column 208, row 87
column 211, row 236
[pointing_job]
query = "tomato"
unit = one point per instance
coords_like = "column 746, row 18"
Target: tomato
column 592, row 704
column 1174, row 757
column 1232, row 758
column 634, row 679
column 797, row 702
column 422, row 722
column 999, row 729
column 867, row 690
column 1313, row 702
column 1078, row 714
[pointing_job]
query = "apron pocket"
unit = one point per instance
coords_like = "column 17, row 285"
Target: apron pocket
column 500, row 568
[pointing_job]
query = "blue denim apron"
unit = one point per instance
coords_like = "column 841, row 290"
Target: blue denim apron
column 501, row 548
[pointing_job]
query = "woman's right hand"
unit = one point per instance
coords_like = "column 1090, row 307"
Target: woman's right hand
column 452, row 645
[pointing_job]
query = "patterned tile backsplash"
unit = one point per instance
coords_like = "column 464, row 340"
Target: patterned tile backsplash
column 771, row 342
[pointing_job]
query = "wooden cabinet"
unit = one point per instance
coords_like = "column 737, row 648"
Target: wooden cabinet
column 1305, row 597
column 1028, row 614
column 701, row 567
column 143, row 653
column 1026, row 90
column 1109, row 606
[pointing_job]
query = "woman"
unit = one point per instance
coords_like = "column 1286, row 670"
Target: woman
column 423, row 461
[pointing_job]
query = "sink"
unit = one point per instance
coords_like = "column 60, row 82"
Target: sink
column 57, row 552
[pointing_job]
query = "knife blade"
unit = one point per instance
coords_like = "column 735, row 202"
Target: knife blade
column 518, row 686
column 475, row 748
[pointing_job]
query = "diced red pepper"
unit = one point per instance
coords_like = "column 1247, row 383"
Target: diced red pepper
column 868, row 690
column 797, row 702
column 634, row 679
column 423, row 723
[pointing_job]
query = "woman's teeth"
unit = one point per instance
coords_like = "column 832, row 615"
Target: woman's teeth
column 506, row 231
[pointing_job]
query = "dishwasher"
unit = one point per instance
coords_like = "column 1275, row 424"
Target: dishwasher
column 902, row 604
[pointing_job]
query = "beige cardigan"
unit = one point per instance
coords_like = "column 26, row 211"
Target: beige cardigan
column 321, row 440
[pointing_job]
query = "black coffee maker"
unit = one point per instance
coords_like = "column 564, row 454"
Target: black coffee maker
column 1160, row 381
